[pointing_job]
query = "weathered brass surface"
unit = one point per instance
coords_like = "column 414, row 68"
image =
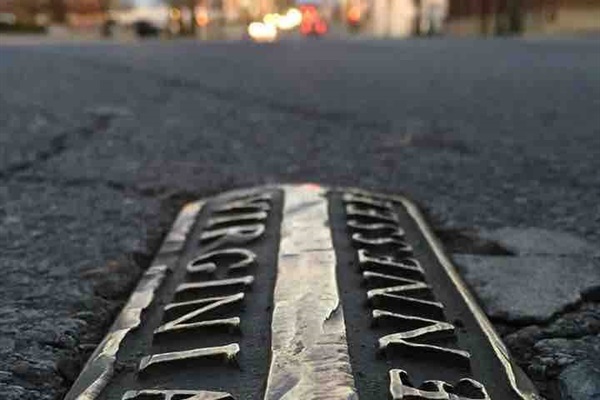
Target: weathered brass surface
column 309, row 352
column 301, row 292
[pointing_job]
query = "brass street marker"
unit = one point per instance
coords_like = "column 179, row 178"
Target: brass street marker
column 301, row 292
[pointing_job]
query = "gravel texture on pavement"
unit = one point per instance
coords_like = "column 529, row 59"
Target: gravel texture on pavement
column 100, row 144
column 545, row 296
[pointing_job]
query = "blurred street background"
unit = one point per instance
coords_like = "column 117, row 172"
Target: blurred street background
column 275, row 19
column 115, row 113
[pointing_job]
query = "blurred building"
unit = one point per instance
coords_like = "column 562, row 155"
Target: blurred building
column 396, row 18
column 393, row 18
column 26, row 12
column 86, row 13
column 43, row 12
column 490, row 17
column 92, row 13
column 402, row 18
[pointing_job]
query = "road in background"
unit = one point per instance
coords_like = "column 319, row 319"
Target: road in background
column 100, row 143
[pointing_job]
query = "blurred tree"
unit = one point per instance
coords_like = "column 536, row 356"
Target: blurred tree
column 190, row 6
column 417, row 19
column 30, row 9
column 509, row 17
column 105, row 5
column 58, row 10
column 515, row 16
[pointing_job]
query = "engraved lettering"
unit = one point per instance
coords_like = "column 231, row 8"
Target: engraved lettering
column 372, row 214
column 233, row 235
column 366, row 201
column 465, row 389
column 226, row 353
column 184, row 322
column 237, row 259
column 416, row 289
column 391, row 243
column 237, row 219
column 408, row 267
column 248, row 204
column 175, row 395
column 377, row 278
column 431, row 309
column 398, row 282
column 243, row 281
column 430, row 330
column 391, row 229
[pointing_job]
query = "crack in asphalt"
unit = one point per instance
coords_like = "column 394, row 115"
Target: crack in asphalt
column 73, row 359
column 59, row 144
column 240, row 98
column 144, row 192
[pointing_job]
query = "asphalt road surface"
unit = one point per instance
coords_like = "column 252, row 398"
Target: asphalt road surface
column 101, row 143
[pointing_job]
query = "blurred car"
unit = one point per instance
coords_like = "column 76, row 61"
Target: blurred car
column 144, row 28
column 143, row 21
column 313, row 23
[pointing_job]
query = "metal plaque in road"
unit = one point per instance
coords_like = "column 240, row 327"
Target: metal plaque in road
column 301, row 292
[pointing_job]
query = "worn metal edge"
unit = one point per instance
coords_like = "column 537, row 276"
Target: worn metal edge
column 99, row 369
column 438, row 249
column 91, row 391
column 483, row 321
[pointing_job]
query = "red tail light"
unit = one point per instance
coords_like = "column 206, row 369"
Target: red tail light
column 321, row 27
